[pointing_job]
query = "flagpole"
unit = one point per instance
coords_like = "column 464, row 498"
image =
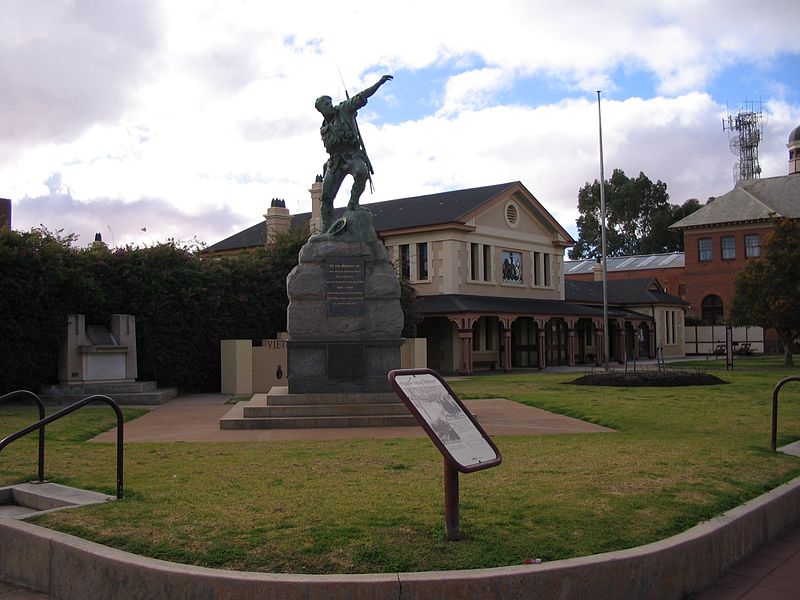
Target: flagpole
column 606, row 332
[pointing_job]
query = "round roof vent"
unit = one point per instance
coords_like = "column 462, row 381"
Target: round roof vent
column 512, row 215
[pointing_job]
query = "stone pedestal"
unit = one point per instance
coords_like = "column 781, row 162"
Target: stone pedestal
column 344, row 317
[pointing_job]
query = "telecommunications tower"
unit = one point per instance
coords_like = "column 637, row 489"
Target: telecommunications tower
column 749, row 130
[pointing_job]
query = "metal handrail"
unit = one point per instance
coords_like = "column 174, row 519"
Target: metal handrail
column 777, row 389
column 70, row 409
column 40, row 404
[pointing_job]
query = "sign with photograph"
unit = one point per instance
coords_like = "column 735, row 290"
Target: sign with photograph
column 449, row 424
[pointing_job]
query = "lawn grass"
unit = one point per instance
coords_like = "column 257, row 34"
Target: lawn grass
column 679, row 456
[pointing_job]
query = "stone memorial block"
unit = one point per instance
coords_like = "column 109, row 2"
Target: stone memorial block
column 344, row 317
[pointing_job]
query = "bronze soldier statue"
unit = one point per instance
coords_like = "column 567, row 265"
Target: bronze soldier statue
column 343, row 142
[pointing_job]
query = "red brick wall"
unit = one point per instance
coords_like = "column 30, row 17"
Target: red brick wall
column 717, row 275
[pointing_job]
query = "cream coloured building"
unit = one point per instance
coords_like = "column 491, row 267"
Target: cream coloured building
column 487, row 266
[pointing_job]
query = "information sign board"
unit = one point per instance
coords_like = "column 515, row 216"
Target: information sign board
column 459, row 437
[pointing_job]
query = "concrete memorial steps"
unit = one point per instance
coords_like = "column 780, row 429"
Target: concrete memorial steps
column 281, row 410
column 127, row 393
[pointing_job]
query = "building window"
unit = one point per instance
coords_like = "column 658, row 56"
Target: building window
column 752, row 245
column 512, row 267
column 537, row 270
column 474, row 257
column 422, row 260
column 405, row 262
column 682, row 289
column 728, row 246
column 480, row 262
column 704, row 249
column 712, row 310
column 487, row 328
column 546, row 269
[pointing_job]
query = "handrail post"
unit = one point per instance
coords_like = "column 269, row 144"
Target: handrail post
column 775, row 391
column 40, row 406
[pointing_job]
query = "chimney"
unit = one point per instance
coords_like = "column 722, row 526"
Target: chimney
column 315, row 224
column 5, row 213
column 98, row 241
column 597, row 270
column 278, row 219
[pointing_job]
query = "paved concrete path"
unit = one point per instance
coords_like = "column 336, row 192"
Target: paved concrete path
column 772, row 573
column 9, row 591
column 196, row 418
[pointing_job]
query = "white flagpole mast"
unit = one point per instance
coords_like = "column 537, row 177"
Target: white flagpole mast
column 606, row 332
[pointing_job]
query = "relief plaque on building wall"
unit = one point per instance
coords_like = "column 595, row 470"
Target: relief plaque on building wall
column 344, row 286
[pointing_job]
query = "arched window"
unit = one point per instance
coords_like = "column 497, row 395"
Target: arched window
column 712, row 310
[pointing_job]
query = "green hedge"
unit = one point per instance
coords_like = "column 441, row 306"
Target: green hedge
column 184, row 303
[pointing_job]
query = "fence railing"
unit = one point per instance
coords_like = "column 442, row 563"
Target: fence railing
column 43, row 421
column 775, row 393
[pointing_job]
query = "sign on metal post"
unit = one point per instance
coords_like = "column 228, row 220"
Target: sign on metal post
column 465, row 446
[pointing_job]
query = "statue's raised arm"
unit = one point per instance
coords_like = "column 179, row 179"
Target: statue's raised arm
column 374, row 88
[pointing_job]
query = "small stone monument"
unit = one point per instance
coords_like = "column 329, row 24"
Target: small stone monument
column 100, row 359
column 96, row 353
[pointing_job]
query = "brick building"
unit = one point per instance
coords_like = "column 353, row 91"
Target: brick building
column 718, row 239
column 722, row 236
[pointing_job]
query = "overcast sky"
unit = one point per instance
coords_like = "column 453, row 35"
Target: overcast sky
column 145, row 120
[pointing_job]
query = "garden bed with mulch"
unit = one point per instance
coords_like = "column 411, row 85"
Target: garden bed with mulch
column 647, row 379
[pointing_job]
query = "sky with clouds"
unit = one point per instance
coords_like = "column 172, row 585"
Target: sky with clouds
column 146, row 120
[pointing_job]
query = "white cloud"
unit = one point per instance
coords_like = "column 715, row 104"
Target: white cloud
column 67, row 65
column 208, row 106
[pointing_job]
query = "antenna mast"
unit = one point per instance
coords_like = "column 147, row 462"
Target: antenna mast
column 749, row 131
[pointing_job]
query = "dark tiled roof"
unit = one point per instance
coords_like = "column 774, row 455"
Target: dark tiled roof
column 432, row 209
column 621, row 292
column 416, row 211
column 254, row 236
column 461, row 303
column 748, row 201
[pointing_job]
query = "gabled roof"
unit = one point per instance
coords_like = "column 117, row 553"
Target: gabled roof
column 752, row 200
column 628, row 263
column 443, row 208
column 432, row 209
column 620, row 292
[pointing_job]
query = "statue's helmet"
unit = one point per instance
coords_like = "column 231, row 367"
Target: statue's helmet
column 322, row 101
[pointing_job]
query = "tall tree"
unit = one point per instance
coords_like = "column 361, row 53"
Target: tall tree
column 638, row 214
column 767, row 289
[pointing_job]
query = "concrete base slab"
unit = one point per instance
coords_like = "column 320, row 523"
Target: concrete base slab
column 28, row 499
column 196, row 418
column 793, row 448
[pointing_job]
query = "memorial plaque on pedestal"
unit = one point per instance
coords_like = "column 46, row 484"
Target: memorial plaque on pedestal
column 344, row 286
column 346, row 362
